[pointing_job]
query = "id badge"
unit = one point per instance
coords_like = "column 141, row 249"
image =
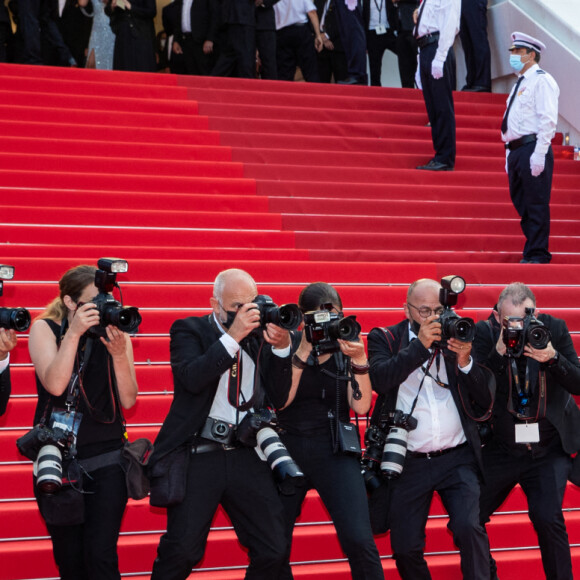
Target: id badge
column 380, row 29
column 527, row 433
column 67, row 421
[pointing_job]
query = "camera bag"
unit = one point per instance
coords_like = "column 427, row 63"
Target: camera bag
column 134, row 459
column 168, row 477
column 348, row 438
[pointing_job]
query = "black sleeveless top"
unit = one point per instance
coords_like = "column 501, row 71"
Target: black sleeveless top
column 95, row 436
column 316, row 396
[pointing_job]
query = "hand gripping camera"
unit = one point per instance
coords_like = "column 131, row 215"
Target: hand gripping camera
column 287, row 316
column 386, row 447
column 518, row 331
column 453, row 325
column 126, row 318
column 17, row 319
column 324, row 327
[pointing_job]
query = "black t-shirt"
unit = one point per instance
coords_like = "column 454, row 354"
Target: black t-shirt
column 308, row 414
column 101, row 429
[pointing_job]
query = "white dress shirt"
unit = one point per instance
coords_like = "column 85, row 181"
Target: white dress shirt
column 438, row 422
column 535, row 109
column 378, row 15
column 186, row 16
column 4, row 363
column 440, row 16
column 289, row 12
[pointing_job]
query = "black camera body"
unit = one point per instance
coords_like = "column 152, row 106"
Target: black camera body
column 287, row 316
column 518, row 331
column 126, row 318
column 453, row 325
column 30, row 443
column 324, row 327
column 17, row 319
column 253, row 422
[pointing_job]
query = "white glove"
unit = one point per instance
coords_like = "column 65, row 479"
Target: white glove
column 418, row 74
column 537, row 163
column 437, row 69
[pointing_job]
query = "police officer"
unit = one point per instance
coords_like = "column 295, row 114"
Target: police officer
column 437, row 24
column 528, row 126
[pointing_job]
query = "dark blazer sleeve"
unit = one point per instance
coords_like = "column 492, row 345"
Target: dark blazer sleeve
column 5, row 388
column 171, row 18
column 567, row 370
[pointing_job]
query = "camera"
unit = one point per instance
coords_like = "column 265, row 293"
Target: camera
column 453, row 325
column 252, row 423
column 518, row 331
column 125, row 318
column 219, row 431
column 386, row 447
column 323, row 328
column 287, row 316
column 44, row 446
column 17, row 319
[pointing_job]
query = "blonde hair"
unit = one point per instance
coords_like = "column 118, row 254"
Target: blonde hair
column 72, row 284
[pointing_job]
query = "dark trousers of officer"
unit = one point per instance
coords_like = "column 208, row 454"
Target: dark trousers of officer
column 543, row 480
column 89, row 551
column 454, row 477
column 5, row 42
column 438, row 95
column 376, row 46
column 195, row 61
column 266, row 45
column 531, row 198
column 338, row 480
column 295, row 47
column 407, row 57
column 332, row 65
column 473, row 34
column 238, row 57
column 352, row 34
column 243, row 485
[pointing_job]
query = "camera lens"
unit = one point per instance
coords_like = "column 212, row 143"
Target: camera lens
column 345, row 328
column 394, row 453
column 538, row 337
column 281, row 463
column 49, row 469
column 15, row 318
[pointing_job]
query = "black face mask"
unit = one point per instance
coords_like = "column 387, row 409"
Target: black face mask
column 229, row 320
column 415, row 327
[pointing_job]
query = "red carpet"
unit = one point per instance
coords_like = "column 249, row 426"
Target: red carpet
column 295, row 183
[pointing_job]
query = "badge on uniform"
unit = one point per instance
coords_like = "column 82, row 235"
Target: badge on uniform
column 380, row 29
column 527, row 433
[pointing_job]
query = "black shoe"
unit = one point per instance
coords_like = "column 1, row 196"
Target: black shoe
column 436, row 166
column 524, row 261
column 476, row 89
column 534, row 261
column 350, row 81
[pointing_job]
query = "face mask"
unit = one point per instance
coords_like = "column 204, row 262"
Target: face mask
column 415, row 327
column 229, row 320
column 516, row 62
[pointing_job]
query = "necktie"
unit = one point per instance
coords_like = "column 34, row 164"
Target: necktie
column 416, row 29
column 504, row 124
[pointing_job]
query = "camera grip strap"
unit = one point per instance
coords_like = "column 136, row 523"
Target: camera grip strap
column 524, row 394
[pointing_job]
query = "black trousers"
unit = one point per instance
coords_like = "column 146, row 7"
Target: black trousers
column 338, row 480
column 531, row 198
column 332, row 65
column 89, row 551
column 407, row 58
column 352, row 34
column 243, row 485
column 195, row 61
column 376, row 46
column 473, row 34
column 295, row 47
column 543, row 481
column 454, row 477
column 438, row 95
column 238, row 56
column 266, row 45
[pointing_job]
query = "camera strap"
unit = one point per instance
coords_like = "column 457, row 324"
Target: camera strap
column 235, row 382
column 525, row 395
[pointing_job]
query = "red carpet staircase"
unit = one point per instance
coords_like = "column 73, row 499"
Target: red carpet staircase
column 184, row 177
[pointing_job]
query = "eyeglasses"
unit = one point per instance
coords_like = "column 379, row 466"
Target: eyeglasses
column 425, row 311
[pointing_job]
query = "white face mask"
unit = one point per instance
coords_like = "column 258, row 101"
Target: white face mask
column 516, row 62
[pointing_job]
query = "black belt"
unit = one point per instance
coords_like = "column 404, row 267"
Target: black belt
column 423, row 41
column 521, row 141
column 431, row 454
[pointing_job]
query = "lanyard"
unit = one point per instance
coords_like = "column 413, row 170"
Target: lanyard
column 524, row 394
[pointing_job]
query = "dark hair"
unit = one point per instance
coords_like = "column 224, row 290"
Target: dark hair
column 537, row 55
column 316, row 294
column 72, row 283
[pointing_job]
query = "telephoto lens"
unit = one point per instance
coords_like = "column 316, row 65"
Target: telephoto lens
column 394, row 453
column 48, row 469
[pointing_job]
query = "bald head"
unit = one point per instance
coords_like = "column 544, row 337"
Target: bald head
column 232, row 279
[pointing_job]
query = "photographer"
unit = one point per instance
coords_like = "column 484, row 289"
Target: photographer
column 535, row 421
column 324, row 390
column 224, row 365
column 437, row 387
column 7, row 343
column 102, row 373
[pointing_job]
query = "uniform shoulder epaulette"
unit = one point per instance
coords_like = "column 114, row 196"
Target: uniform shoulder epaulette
column 541, row 72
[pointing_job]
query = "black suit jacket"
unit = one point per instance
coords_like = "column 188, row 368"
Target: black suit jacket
column 265, row 15
column 393, row 358
column 562, row 378
column 5, row 388
column 198, row 359
column 392, row 14
column 239, row 12
column 204, row 19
